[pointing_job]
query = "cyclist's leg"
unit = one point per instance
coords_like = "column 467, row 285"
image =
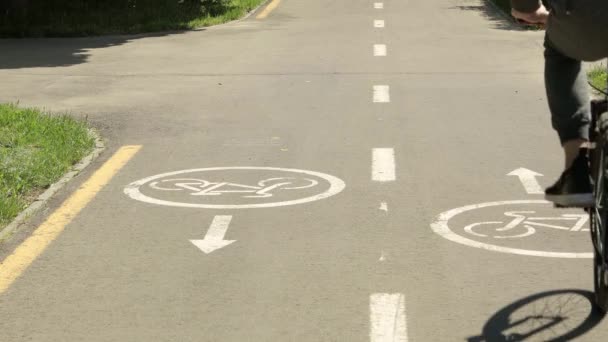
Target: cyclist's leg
column 567, row 94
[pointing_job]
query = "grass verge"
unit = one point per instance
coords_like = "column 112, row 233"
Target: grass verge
column 36, row 149
column 236, row 10
column 598, row 77
column 148, row 16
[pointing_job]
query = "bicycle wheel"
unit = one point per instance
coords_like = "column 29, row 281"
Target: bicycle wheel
column 599, row 215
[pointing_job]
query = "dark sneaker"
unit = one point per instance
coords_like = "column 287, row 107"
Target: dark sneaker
column 573, row 188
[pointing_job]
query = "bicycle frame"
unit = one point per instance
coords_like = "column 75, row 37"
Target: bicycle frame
column 598, row 157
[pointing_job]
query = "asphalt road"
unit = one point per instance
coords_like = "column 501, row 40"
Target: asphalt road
column 338, row 190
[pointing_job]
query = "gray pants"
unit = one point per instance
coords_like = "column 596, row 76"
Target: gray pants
column 567, row 93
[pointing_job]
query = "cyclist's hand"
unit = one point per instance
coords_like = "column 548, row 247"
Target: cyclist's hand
column 540, row 16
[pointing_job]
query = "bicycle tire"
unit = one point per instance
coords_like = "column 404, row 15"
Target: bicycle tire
column 599, row 216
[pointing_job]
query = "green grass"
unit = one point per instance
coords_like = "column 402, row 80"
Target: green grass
column 598, row 77
column 149, row 16
column 36, row 149
column 236, row 10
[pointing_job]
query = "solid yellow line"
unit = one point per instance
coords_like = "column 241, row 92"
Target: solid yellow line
column 271, row 6
column 14, row 265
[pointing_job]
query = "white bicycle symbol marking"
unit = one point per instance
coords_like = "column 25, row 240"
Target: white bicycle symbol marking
column 263, row 189
column 196, row 188
column 513, row 226
column 529, row 224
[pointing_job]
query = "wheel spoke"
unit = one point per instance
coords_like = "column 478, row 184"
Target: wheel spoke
column 598, row 231
column 598, row 221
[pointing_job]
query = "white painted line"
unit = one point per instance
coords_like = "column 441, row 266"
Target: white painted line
column 582, row 219
column 387, row 317
column 383, row 165
column 382, row 256
column 528, row 180
column 382, row 94
column 214, row 239
column 384, row 206
column 379, row 23
column 378, row 5
column 379, row 50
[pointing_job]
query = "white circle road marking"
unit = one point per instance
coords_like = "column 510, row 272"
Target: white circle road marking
column 336, row 186
column 440, row 226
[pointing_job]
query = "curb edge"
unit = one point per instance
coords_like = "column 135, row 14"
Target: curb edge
column 43, row 198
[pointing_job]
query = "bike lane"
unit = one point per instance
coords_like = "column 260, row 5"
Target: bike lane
column 463, row 285
column 477, row 122
column 126, row 269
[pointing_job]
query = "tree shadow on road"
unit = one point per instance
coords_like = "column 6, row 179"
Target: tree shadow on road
column 491, row 13
column 559, row 315
column 60, row 52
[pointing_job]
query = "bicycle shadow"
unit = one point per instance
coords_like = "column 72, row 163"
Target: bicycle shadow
column 559, row 315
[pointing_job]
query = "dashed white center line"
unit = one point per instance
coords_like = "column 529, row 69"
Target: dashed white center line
column 379, row 23
column 382, row 256
column 383, row 165
column 382, row 94
column 378, row 5
column 379, row 50
column 387, row 317
column 384, row 206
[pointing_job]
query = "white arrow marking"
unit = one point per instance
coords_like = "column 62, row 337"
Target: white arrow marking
column 528, row 179
column 387, row 317
column 215, row 235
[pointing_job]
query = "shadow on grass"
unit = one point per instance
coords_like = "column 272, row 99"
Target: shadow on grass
column 560, row 315
column 60, row 52
column 491, row 13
